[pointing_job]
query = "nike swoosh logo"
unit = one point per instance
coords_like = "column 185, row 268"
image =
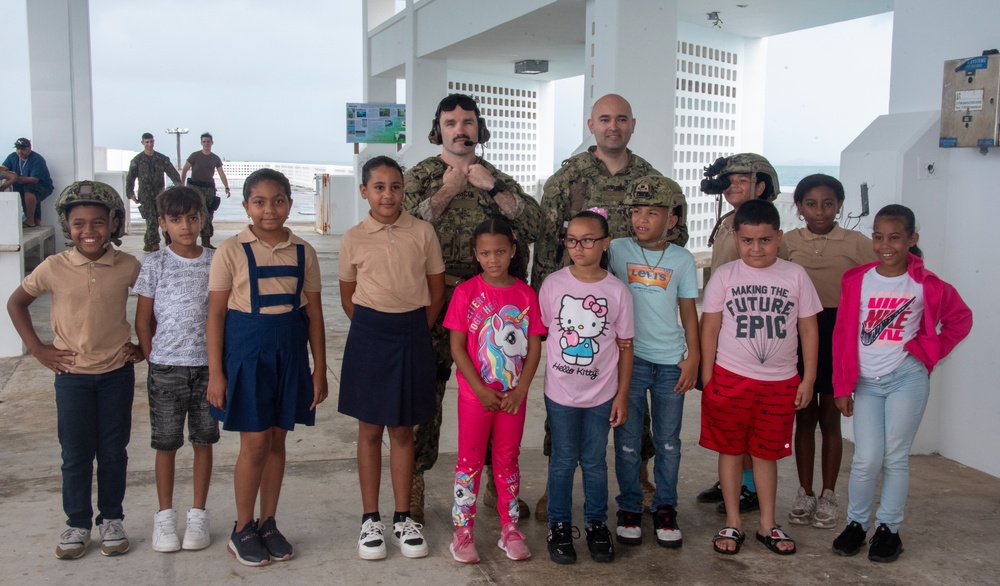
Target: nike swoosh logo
column 868, row 336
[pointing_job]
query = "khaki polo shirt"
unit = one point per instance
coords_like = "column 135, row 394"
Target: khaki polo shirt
column 231, row 271
column 390, row 263
column 724, row 248
column 826, row 257
column 89, row 299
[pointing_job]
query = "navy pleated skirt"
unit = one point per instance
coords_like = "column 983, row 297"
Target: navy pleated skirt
column 267, row 366
column 388, row 373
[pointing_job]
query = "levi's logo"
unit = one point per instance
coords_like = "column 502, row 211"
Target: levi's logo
column 650, row 277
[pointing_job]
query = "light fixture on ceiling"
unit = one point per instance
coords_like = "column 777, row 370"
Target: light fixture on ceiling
column 713, row 17
column 531, row 66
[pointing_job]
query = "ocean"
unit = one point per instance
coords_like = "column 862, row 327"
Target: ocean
column 790, row 175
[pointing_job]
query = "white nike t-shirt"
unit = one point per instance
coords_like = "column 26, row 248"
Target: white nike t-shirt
column 891, row 310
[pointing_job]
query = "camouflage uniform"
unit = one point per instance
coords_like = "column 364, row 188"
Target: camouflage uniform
column 149, row 170
column 454, row 230
column 581, row 183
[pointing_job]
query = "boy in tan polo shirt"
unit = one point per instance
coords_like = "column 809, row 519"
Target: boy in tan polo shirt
column 92, row 356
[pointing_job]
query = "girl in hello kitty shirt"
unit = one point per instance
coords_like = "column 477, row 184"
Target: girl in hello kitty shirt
column 585, row 309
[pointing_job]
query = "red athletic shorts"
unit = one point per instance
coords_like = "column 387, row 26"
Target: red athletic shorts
column 741, row 415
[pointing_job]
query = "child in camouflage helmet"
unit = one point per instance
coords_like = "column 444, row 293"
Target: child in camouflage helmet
column 92, row 356
column 661, row 278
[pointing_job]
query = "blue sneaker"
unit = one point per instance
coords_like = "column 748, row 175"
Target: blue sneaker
column 247, row 546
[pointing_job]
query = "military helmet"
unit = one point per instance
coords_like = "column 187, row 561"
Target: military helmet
column 95, row 193
column 715, row 175
column 653, row 190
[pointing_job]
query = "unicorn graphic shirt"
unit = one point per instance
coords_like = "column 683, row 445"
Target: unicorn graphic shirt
column 498, row 322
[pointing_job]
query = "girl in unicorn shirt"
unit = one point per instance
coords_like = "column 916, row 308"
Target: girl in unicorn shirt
column 496, row 332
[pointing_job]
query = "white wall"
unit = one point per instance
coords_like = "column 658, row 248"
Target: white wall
column 957, row 220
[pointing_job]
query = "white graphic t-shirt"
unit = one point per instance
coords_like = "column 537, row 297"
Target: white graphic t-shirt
column 891, row 310
column 179, row 289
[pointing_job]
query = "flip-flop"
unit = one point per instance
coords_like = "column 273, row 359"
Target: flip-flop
column 773, row 538
column 728, row 533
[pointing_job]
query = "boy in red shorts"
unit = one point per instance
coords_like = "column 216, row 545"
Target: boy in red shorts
column 755, row 310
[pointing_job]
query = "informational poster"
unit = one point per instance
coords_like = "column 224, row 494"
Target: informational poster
column 376, row 123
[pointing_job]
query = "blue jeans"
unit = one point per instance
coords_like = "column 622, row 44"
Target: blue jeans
column 887, row 413
column 667, row 411
column 579, row 436
column 95, row 420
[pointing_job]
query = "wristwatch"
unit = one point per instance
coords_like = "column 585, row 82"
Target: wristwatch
column 499, row 186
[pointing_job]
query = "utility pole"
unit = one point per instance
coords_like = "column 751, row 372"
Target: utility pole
column 178, row 132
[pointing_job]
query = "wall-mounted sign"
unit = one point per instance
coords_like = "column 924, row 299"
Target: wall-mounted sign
column 376, row 123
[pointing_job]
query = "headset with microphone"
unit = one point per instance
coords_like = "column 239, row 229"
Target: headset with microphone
column 466, row 103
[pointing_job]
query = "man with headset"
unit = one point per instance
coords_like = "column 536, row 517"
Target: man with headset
column 456, row 191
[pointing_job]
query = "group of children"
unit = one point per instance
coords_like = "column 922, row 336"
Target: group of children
column 226, row 339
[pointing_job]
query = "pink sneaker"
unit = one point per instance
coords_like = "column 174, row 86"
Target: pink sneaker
column 512, row 542
column 463, row 546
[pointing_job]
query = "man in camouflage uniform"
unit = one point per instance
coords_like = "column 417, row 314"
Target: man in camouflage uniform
column 597, row 178
column 148, row 167
column 456, row 191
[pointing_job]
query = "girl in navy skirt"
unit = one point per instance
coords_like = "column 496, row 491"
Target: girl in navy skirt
column 392, row 289
column 264, row 307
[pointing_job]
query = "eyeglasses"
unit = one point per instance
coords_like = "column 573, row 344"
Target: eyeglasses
column 587, row 243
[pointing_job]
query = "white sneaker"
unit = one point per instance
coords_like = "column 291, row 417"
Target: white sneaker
column 827, row 511
column 73, row 543
column 114, row 540
column 371, row 543
column 197, row 534
column 407, row 536
column 165, row 531
column 803, row 508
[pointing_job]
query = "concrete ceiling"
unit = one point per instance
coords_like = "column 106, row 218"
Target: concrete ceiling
column 556, row 31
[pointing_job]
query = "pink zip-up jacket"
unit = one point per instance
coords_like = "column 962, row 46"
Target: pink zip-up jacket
column 942, row 305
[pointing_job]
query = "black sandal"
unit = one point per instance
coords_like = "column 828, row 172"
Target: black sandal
column 728, row 533
column 773, row 538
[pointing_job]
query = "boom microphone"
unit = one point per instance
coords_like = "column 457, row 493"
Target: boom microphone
column 469, row 143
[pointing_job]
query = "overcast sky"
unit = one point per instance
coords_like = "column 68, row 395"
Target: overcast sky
column 270, row 79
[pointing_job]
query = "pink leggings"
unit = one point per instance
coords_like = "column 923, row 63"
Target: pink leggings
column 474, row 424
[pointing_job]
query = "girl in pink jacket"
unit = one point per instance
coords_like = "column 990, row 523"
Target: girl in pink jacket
column 886, row 342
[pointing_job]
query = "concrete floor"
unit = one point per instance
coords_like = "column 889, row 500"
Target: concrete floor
column 949, row 537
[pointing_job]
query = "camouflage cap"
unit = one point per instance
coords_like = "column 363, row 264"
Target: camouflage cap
column 654, row 190
column 94, row 193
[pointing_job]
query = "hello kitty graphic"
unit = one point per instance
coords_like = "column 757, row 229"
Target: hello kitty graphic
column 581, row 322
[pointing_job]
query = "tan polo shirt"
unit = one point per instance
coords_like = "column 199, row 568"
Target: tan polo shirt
column 724, row 248
column 231, row 272
column 89, row 299
column 390, row 263
column 826, row 257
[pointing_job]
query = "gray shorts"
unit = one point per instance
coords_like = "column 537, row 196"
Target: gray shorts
column 176, row 392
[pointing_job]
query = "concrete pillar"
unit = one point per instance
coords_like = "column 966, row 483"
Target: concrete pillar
column 631, row 50
column 11, row 268
column 61, row 100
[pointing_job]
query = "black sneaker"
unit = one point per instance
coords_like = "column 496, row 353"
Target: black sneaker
column 665, row 524
column 247, row 546
column 748, row 502
column 885, row 545
column 560, row 542
column 711, row 495
column 275, row 543
column 599, row 542
column 629, row 529
column 850, row 540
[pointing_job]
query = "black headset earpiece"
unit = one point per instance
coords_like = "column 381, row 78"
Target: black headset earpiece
column 434, row 136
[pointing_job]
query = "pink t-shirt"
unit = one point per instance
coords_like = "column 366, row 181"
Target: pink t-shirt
column 497, row 321
column 583, row 320
column 760, row 312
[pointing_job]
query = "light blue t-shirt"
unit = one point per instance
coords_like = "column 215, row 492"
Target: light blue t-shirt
column 656, row 283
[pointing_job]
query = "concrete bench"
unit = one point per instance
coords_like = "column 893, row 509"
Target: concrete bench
column 40, row 238
column 703, row 261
